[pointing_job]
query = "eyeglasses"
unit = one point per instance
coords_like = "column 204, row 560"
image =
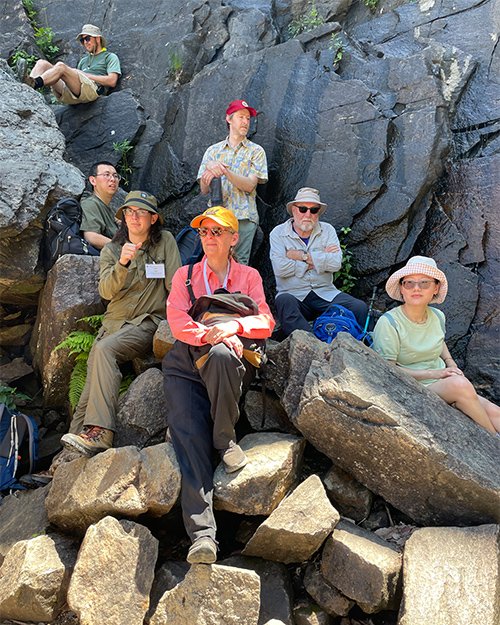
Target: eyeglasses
column 423, row 284
column 138, row 212
column 109, row 176
column 215, row 232
column 304, row 209
column 85, row 39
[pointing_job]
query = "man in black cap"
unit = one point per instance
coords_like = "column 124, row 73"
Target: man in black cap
column 137, row 268
column 96, row 73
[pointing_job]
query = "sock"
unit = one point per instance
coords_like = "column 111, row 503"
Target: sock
column 39, row 82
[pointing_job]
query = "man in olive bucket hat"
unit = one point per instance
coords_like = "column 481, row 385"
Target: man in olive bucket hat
column 97, row 72
column 137, row 268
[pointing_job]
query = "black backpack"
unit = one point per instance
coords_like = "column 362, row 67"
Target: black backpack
column 62, row 233
column 189, row 244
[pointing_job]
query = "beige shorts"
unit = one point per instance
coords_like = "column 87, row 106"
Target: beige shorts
column 88, row 92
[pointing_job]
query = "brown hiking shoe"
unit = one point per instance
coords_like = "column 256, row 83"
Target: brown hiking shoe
column 233, row 458
column 90, row 441
column 202, row 551
column 22, row 73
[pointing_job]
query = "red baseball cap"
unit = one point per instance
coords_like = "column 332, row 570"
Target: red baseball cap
column 237, row 105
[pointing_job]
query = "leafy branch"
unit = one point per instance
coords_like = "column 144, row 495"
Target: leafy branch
column 343, row 277
column 305, row 23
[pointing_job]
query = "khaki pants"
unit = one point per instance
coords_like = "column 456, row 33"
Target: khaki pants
column 88, row 92
column 99, row 399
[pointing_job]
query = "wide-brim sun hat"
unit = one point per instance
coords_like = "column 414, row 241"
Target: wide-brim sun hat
column 306, row 194
column 222, row 216
column 418, row 264
column 140, row 199
column 93, row 31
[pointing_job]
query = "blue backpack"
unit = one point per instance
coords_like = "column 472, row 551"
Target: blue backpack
column 339, row 319
column 189, row 244
column 14, row 428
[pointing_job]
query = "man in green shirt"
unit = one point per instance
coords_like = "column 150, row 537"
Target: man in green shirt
column 98, row 222
column 136, row 276
column 96, row 73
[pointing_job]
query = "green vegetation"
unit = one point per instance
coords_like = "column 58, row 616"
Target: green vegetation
column 123, row 166
column 22, row 54
column 29, row 7
column 343, row 278
column 80, row 343
column 175, row 69
column 337, row 45
column 371, row 4
column 43, row 34
column 9, row 396
column 305, row 23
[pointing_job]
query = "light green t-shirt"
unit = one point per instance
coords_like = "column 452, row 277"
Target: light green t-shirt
column 411, row 345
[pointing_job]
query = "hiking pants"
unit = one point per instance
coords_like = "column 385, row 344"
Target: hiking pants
column 202, row 410
column 99, row 399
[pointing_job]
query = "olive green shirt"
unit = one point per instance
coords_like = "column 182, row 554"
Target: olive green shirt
column 97, row 217
column 100, row 64
column 133, row 297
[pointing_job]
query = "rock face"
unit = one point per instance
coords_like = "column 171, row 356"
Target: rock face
column 274, row 463
column 122, row 482
column 116, row 560
column 359, row 410
column 70, row 294
column 22, row 516
column 33, row 177
column 363, row 567
column 298, row 526
column 211, row 595
column 35, row 577
column 141, row 418
column 469, row 556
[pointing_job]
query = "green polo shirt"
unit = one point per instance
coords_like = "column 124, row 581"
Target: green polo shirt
column 100, row 64
column 97, row 217
column 133, row 297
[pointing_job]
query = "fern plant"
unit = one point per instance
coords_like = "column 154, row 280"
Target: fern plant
column 343, row 278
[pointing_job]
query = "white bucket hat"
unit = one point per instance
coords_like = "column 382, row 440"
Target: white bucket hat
column 418, row 264
column 306, row 194
column 93, row 31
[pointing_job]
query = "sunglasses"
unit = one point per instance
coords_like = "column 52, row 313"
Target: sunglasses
column 423, row 284
column 85, row 39
column 215, row 232
column 304, row 209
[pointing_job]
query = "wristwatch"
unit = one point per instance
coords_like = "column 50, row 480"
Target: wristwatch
column 305, row 257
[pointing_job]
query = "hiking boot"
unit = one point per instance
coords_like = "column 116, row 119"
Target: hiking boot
column 22, row 73
column 36, row 480
column 233, row 458
column 202, row 551
column 90, row 441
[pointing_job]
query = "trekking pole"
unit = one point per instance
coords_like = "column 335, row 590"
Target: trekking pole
column 370, row 308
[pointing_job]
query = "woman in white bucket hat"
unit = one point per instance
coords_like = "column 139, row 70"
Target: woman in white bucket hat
column 412, row 336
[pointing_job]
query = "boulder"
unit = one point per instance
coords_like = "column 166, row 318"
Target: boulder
column 141, row 417
column 275, row 588
column 451, row 575
column 211, row 595
column 122, row 482
column 434, row 464
column 266, row 414
column 363, row 567
column 274, row 464
column 70, row 294
column 298, row 526
column 311, row 614
column 113, row 574
column 34, row 176
column 351, row 498
column 163, row 340
column 35, row 578
column 329, row 598
column 14, row 370
column 22, row 516
column 92, row 130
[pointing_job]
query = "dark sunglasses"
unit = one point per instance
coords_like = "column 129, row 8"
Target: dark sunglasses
column 215, row 232
column 85, row 39
column 304, row 209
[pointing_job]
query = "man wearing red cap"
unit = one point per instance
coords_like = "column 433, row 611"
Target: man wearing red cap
column 241, row 165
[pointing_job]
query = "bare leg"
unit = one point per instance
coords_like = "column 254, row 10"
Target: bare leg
column 493, row 412
column 55, row 75
column 458, row 390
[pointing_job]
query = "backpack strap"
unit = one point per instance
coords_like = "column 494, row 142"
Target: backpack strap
column 188, row 284
column 441, row 320
column 393, row 323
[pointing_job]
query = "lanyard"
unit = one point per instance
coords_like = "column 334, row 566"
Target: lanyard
column 205, row 277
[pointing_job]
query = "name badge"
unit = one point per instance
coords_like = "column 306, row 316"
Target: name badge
column 156, row 270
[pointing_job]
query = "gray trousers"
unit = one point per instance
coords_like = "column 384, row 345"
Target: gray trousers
column 246, row 233
column 202, row 410
column 99, row 398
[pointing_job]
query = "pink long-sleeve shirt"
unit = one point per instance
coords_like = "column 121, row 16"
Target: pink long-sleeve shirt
column 241, row 278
